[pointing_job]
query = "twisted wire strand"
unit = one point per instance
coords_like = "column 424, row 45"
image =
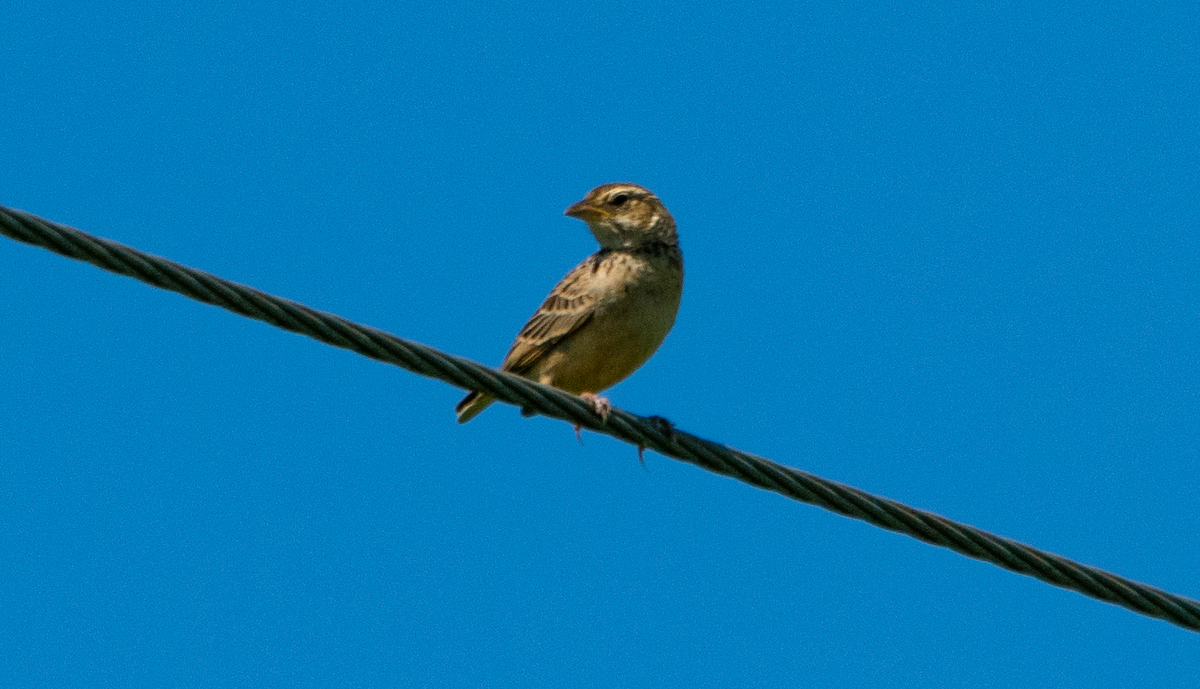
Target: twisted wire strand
column 647, row 432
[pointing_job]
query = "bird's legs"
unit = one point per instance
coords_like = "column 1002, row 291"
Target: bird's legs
column 599, row 404
column 665, row 427
column 603, row 408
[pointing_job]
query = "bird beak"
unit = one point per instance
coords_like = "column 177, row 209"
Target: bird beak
column 586, row 212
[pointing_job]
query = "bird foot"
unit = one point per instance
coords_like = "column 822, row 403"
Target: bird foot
column 665, row 427
column 600, row 405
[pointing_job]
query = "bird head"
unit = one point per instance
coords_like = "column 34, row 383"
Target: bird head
column 624, row 216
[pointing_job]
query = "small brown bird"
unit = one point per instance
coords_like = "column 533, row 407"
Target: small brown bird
column 608, row 315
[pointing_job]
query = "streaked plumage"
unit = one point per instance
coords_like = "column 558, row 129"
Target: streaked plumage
column 611, row 312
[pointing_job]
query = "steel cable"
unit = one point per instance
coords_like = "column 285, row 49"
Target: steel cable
column 647, row 432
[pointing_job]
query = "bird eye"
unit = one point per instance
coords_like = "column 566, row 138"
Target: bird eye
column 619, row 200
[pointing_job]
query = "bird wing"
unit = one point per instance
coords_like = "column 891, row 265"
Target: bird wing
column 570, row 305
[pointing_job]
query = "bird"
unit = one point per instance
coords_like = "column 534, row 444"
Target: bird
column 610, row 313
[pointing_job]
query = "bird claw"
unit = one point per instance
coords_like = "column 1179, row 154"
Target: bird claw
column 600, row 405
column 603, row 409
column 663, row 426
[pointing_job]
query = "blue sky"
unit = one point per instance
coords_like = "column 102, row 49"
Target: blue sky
column 945, row 253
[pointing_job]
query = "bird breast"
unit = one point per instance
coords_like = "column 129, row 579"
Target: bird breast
column 637, row 298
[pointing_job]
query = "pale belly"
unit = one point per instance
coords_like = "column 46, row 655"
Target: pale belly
column 614, row 343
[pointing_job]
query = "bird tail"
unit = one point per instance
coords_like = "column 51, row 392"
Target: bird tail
column 471, row 405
